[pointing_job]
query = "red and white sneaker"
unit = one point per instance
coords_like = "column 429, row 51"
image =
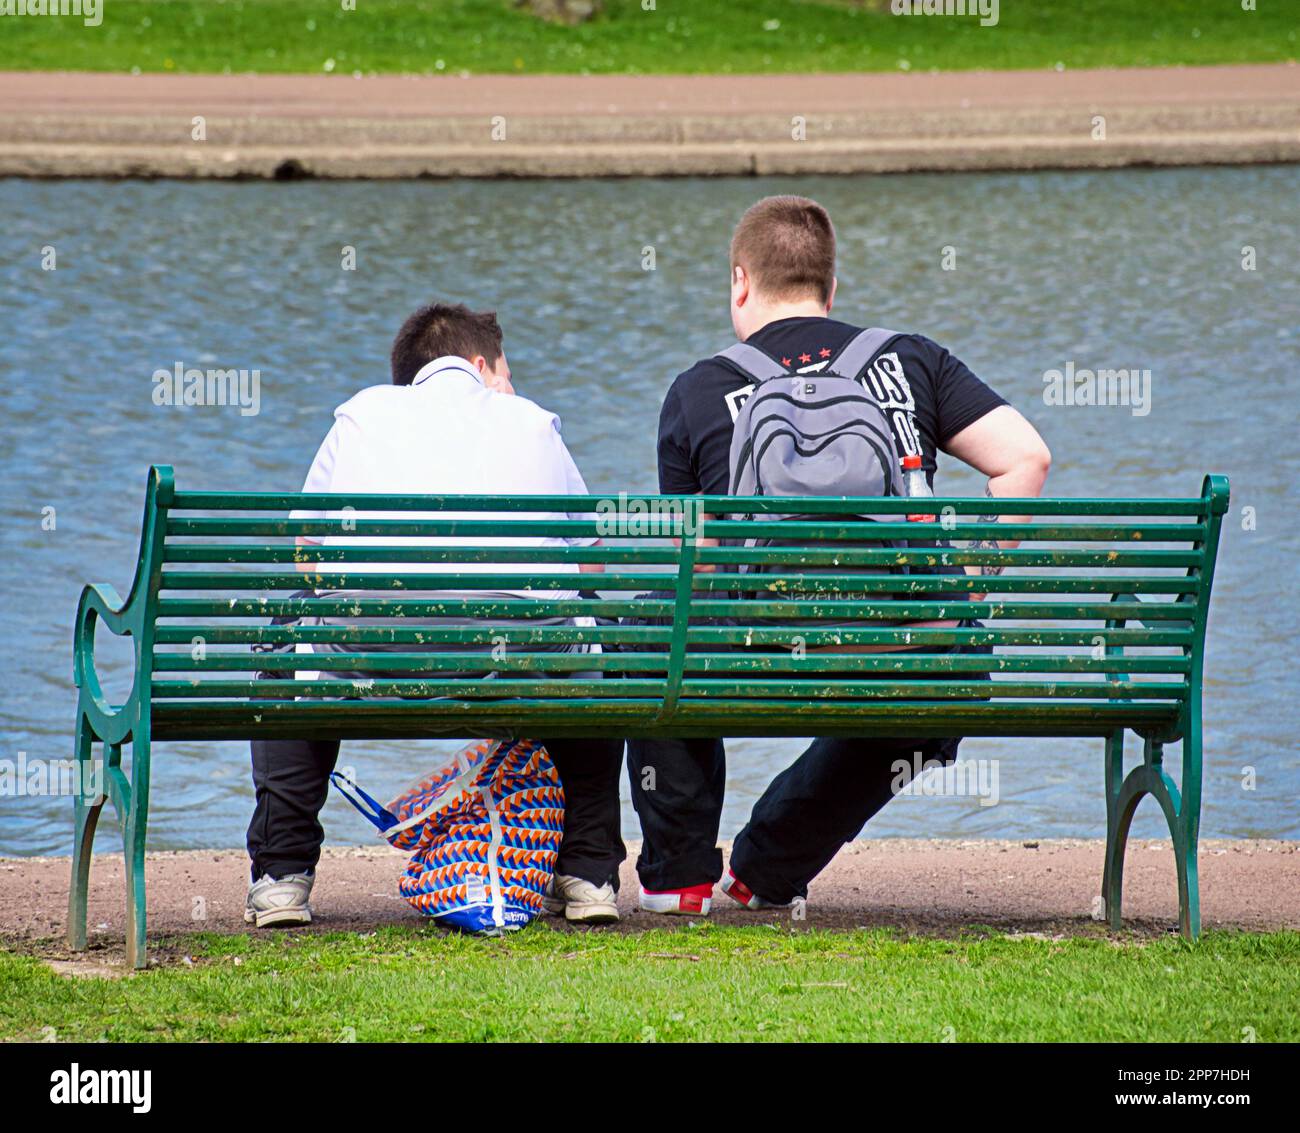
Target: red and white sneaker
column 738, row 891
column 693, row 901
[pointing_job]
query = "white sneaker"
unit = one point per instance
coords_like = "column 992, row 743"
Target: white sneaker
column 690, row 901
column 552, row 906
column 581, row 901
column 279, row 901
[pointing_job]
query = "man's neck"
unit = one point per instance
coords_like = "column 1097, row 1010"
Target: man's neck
column 775, row 312
column 447, row 362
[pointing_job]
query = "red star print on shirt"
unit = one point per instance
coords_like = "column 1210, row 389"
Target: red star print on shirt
column 805, row 358
column 824, row 353
column 785, row 361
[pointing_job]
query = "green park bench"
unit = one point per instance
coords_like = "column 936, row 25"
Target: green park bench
column 1096, row 629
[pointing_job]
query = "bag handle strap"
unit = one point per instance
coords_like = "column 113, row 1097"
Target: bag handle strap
column 385, row 821
column 382, row 818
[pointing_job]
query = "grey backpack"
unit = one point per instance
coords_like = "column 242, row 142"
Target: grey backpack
column 815, row 434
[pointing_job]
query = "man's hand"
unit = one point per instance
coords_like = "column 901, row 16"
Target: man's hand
column 593, row 568
column 299, row 565
column 1009, row 451
column 705, row 541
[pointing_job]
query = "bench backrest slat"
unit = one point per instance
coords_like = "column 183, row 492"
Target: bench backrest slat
column 830, row 618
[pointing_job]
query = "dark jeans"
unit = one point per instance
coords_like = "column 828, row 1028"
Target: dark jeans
column 291, row 777
column 811, row 809
column 291, row 781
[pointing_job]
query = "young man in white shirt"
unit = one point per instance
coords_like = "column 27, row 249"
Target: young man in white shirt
column 448, row 424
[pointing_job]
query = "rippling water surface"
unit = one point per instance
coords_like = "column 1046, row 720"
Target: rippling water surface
column 1138, row 268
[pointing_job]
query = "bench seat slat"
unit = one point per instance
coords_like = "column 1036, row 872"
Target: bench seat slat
column 647, row 555
column 698, row 635
column 712, row 662
column 798, row 531
column 941, row 583
column 427, row 582
column 410, row 607
column 813, row 687
column 792, row 531
column 774, row 581
column 746, row 608
column 949, row 557
column 629, row 502
column 487, row 634
column 232, row 553
column 635, row 718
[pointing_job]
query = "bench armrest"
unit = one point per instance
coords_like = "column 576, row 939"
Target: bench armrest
column 130, row 618
column 103, row 600
column 100, row 601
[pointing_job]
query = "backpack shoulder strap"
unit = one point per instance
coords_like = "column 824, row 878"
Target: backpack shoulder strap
column 860, row 351
column 752, row 362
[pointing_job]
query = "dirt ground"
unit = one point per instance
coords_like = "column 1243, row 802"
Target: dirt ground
column 286, row 126
column 930, row 887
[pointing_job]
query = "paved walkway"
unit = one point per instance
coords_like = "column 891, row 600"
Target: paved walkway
column 932, row 886
column 54, row 124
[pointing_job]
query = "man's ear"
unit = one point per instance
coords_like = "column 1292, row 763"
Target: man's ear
column 739, row 285
column 494, row 375
column 830, row 299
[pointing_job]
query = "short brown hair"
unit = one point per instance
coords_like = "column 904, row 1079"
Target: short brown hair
column 441, row 329
column 787, row 247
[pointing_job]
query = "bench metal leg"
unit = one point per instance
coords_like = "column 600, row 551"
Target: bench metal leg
column 1182, row 813
column 1112, row 877
column 131, row 802
column 1189, row 825
column 85, row 818
column 135, row 823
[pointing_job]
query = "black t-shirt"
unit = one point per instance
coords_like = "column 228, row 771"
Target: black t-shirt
column 926, row 394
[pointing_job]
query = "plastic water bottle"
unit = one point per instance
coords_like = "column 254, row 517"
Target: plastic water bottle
column 915, row 484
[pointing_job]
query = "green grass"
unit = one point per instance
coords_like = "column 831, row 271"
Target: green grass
column 428, row 36
column 696, row 983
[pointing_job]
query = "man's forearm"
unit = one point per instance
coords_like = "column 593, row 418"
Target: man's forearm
column 1009, row 451
column 1024, row 481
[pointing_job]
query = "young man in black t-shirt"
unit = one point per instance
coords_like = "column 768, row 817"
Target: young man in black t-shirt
column 782, row 289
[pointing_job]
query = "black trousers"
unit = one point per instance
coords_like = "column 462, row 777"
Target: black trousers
column 291, row 781
column 811, row 809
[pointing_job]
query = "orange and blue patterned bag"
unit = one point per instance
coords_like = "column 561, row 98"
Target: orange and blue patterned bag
column 483, row 831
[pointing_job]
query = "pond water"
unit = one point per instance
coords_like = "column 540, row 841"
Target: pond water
column 1128, row 269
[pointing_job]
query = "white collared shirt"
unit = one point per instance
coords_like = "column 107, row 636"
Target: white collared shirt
column 444, row 434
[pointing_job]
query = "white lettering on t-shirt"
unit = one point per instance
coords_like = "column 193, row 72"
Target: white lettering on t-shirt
column 885, row 381
column 888, row 384
column 736, row 399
